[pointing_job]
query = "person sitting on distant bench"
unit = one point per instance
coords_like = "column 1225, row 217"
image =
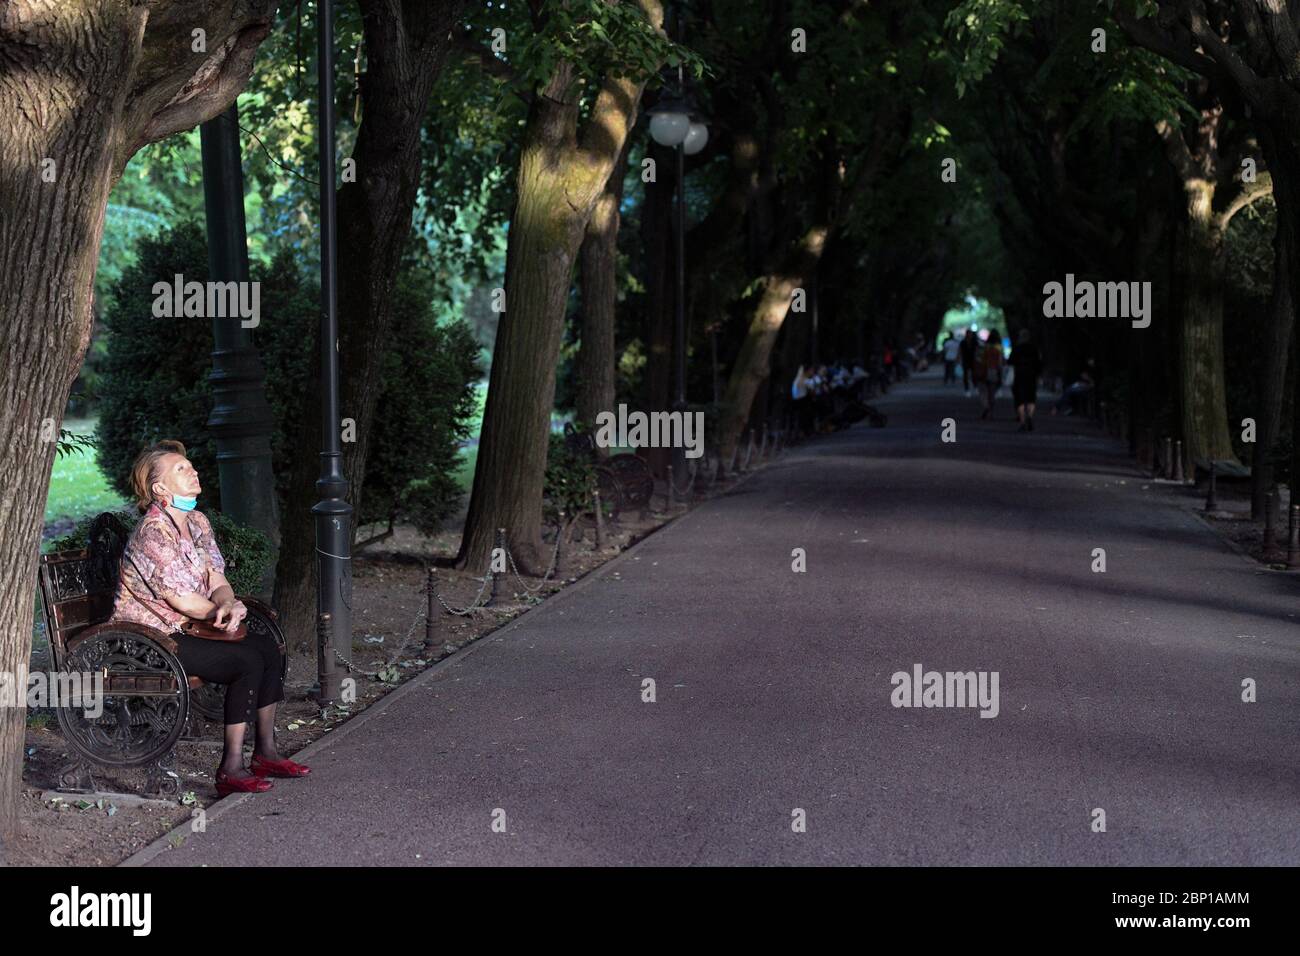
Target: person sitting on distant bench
column 1077, row 392
column 801, row 401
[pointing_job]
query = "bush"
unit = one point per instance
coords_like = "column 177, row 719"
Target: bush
column 424, row 413
column 155, row 383
column 153, row 380
column 248, row 552
column 285, row 340
column 570, row 479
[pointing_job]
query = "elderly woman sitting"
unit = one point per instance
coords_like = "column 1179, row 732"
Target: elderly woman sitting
column 172, row 571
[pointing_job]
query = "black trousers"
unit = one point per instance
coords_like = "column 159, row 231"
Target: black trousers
column 250, row 669
column 803, row 409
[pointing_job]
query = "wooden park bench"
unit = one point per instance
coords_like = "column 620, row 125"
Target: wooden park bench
column 625, row 481
column 149, row 701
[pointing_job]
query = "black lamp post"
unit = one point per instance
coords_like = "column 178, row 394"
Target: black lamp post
column 241, row 417
column 333, row 513
column 671, row 124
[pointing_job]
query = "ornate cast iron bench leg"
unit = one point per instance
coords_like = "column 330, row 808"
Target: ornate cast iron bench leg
column 77, row 776
column 161, row 778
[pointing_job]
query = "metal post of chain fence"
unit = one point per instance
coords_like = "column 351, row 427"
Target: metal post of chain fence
column 1277, row 513
column 1293, row 541
column 670, row 496
column 559, row 544
column 1169, row 458
column 1178, row 461
column 762, row 448
column 430, row 619
column 1211, row 501
column 496, row 578
column 1254, row 463
column 1270, row 519
column 600, row 521
column 684, row 493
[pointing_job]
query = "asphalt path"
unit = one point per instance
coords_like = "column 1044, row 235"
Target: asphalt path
column 773, row 737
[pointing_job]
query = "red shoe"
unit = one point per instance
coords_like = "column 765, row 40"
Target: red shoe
column 227, row 785
column 277, row 768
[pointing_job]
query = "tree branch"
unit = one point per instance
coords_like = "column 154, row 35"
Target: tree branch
column 1147, row 33
column 615, row 109
column 492, row 65
column 1243, row 195
column 889, row 135
column 1176, row 151
column 1245, row 79
column 1282, row 36
column 176, row 87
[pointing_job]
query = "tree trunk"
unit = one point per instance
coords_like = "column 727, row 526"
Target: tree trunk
column 558, row 184
column 1204, row 393
column 751, row 366
column 47, row 282
column 796, row 342
column 599, row 257
column 513, row 445
column 80, row 91
column 405, row 53
column 1285, row 173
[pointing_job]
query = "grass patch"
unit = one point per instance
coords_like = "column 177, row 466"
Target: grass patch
column 465, row 470
column 77, row 487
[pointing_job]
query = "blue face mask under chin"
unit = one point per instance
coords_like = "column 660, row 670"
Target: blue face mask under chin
column 184, row 504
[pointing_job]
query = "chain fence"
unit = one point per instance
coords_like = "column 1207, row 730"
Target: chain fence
column 488, row 578
column 422, row 613
column 555, row 560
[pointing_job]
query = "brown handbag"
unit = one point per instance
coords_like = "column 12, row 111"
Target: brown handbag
column 210, row 632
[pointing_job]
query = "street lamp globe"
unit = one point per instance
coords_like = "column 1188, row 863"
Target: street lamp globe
column 697, row 136
column 669, row 128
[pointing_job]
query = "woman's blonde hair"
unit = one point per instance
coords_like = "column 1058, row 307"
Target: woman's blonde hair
column 145, row 470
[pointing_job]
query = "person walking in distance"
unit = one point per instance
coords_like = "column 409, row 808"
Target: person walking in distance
column 991, row 366
column 951, row 350
column 967, row 351
column 1028, row 363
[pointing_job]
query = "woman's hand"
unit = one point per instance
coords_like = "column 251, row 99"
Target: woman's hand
column 233, row 611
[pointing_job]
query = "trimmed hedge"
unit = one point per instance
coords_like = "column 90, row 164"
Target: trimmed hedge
column 155, row 383
column 247, row 551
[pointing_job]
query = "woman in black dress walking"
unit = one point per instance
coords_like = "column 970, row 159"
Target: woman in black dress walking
column 1028, row 363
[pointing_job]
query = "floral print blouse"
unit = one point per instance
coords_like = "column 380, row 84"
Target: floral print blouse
column 158, row 561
